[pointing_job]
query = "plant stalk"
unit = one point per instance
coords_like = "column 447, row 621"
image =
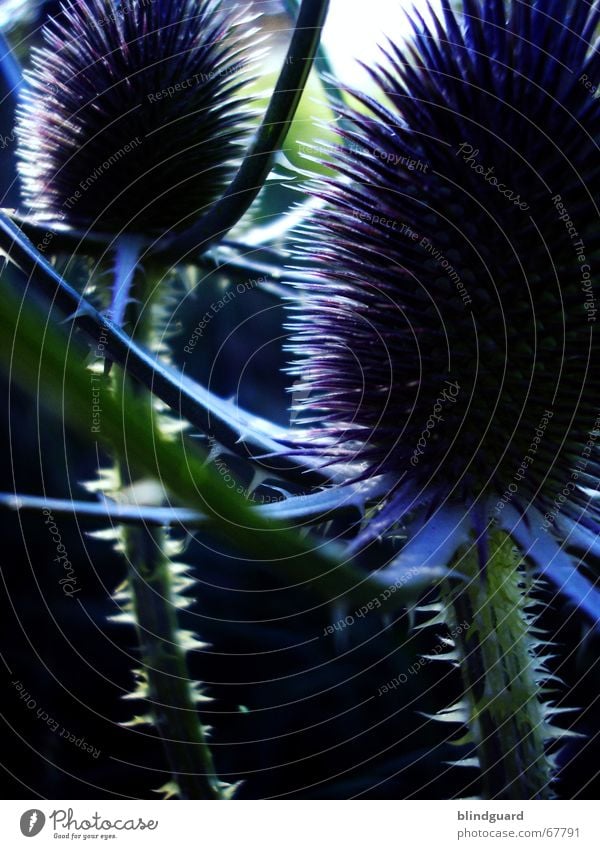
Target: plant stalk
column 169, row 691
column 502, row 672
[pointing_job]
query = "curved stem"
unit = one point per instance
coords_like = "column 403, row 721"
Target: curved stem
column 502, row 673
column 258, row 160
column 322, row 63
column 255, row 167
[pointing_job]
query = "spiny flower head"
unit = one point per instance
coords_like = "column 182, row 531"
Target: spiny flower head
column 133, row 117
column 449, row 338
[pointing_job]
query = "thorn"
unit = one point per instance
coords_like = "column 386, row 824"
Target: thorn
column 472, row 763
column 169, row 790
column 82, row 311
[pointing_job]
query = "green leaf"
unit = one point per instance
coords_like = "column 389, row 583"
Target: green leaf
column 50, row 365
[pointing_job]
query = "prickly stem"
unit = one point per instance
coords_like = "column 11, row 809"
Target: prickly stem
column 503, row 673
column 153, row 596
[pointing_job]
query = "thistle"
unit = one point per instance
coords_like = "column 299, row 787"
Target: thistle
column 134, row 117
column 448, row 341
column 131, row 124
column 443, row 341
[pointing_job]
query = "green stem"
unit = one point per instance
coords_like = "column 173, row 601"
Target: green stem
column 37, row 352
column 169, row 690
column 502, row 673
column 187, row 399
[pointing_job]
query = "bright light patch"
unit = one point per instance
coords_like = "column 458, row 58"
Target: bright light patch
column 355, row 32
column 11, row 12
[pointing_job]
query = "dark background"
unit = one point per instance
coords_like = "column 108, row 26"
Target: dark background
column 295, row 713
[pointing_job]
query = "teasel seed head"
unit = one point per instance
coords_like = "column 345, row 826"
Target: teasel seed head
column 134, row 115
column 449, row 338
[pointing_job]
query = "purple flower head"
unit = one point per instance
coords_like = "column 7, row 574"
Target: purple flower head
column 133, row 117
column 449, row 339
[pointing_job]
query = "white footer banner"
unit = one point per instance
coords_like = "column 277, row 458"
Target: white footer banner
column 300, row 824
